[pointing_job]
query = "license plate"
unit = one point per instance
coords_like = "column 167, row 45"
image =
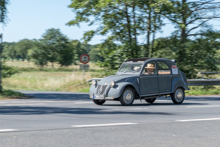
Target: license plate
column 98, row 96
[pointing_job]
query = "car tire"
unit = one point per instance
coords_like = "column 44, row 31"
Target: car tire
column 99, row 102
column 127, row 97
column 150, row 101
column 178, row 96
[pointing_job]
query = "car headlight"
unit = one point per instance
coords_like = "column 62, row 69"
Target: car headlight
column 112, row 83
column 94, row 82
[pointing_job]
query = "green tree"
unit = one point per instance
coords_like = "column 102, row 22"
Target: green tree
column 38, row 54
column 123, row 21
column 9, row 51
column 3, row 18
column 8, row 71
column 3, row 11
column 79, row 49
column 95, row 55
column 188, row 16
column 22, row 48
column 66, row 54
column 200, row 52
column 57, row 47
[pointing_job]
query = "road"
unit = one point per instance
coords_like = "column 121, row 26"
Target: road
column 66, row 119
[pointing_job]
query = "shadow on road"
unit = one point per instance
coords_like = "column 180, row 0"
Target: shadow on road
column 84, row 96
column 203, row 98
column 24, row 110
column 63, row 97
column 156, row 104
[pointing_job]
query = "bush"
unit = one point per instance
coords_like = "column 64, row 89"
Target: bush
column 8, row 71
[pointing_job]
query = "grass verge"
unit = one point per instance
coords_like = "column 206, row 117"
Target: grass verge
column 199, row 90
column 48, row 81
column 9, row 94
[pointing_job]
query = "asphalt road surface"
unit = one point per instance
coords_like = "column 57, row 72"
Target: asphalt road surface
column 65, row 119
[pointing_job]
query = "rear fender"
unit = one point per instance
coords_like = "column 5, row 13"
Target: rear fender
column 178, row 82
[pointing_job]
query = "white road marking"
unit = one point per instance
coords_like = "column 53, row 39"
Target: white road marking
column 7, row 130
column 125, row 109
column 102, row 125
column 205, row 119
column 42, row 102
column 82, row 102
column 203, row 106
column 24, row 104
column 3, row 102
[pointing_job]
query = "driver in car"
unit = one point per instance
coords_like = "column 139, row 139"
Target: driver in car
column 150, row 69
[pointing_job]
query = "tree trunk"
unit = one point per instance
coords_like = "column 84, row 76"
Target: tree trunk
column 135, row 31
column 154, row 34
column 152, row 45
column 129, row 28
column 148, row 31
column 183, row 33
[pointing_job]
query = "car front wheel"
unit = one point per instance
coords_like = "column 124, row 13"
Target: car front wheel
column 99, row 102
column 127, row 97
column 178, row 96
column 150, row 101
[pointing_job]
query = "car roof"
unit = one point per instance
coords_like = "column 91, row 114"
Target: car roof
column 145, row 59
column 137, row 59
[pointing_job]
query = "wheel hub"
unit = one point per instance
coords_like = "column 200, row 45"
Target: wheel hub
column 128, row 96
column 179, row 95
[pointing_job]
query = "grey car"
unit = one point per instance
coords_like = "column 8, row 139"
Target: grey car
column 141, row 78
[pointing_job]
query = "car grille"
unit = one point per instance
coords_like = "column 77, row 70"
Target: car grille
column 101, row 89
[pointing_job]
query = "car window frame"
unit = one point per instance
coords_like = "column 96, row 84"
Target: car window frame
column 146, row 65
column 165, row 64
column 137, row 73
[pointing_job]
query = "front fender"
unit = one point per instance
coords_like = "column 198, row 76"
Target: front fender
column 116, row 91
column 92, row 90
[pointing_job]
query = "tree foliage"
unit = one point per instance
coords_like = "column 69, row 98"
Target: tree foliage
column 53, row 47
column 3, row 11
column 8, row 71
column 188, row 16
column 22, row 48
column 38, row 54
column 123, row 21
column 126, row 21
column 200, row 52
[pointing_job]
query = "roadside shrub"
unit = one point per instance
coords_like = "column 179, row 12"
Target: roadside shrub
column 8, row 71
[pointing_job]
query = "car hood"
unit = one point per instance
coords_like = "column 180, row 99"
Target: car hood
column 118, row 78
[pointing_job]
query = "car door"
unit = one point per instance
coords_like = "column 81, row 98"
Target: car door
column 164, row 77
column 148, row 79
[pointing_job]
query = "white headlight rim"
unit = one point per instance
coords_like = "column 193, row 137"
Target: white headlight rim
column 113, row 83
column 94, row 82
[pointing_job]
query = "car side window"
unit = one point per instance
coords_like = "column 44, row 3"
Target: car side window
column 163, row 68
column 149, row 69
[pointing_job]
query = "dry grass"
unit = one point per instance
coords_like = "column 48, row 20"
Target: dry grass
column 27, row 64
column 46, row 81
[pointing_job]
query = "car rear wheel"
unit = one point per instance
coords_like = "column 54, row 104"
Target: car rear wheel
column 150, row 101
column 99, row 102
column 178, row 96
column 127, row 97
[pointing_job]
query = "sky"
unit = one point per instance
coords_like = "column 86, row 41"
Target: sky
column 31, row 18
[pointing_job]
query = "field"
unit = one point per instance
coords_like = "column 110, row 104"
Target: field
column 34, row 78
column 67, row 79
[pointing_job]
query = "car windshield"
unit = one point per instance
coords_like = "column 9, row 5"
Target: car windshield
column 131, row 67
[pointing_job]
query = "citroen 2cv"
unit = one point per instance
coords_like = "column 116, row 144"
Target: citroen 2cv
column 141, row 78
